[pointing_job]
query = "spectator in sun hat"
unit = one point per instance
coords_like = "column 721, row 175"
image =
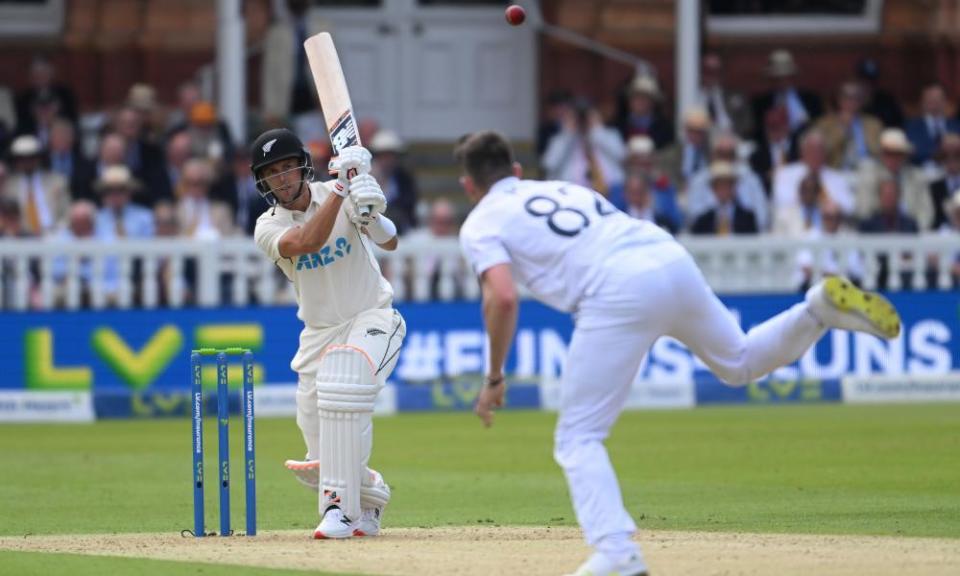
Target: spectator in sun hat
column 728, row 216
column 118, row 217
column 43, row 195
column 639, row 112
column 398, row 183
column 724, row 146
column 912, row 186
column 802, row 106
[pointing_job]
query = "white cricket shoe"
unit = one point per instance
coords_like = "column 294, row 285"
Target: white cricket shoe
column 837, row 303
column 307, row 472
column 601, row 565
column 369, row 523
column 333, row 525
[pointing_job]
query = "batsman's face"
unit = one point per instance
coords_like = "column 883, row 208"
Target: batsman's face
column 283, row 178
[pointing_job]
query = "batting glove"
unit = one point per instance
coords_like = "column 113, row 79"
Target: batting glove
column 366, row 200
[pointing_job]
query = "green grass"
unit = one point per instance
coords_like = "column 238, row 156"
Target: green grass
column 34, row 564
column 831, row 469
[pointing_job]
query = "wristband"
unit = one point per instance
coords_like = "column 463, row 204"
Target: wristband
column 381, row 229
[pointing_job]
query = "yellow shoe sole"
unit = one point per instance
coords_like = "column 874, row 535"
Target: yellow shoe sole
column 871, row 306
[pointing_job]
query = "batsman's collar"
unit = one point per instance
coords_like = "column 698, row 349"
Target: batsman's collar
column 504, row 184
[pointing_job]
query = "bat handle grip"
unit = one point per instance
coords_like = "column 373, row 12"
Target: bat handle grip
column 366, row 210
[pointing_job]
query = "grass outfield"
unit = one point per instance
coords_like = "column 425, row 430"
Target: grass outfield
column 830, row 469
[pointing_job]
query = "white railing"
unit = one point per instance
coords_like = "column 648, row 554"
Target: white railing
column 43, row 274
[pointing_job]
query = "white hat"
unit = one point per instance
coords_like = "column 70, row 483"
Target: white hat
column 644, row 84
column 25, row 146
column 894, row 140
column 386, row 141
column 641, row 145
column 780, row 64
column 722, row 171
column 696, row 118
column 142, row 97
column 117, row 176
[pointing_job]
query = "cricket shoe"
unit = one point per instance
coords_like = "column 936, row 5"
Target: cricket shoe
column 837, row 303
column 369, row 523
column 334, row 526
column 601, row 565
column 307, row 472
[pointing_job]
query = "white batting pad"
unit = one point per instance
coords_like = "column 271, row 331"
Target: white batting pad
column 346, row 389
column 374, row 493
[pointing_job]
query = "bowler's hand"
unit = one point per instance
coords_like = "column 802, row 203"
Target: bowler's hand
column 491, row 396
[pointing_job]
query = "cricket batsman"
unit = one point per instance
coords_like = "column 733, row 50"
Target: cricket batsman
column 322, row 235
column 627, row 282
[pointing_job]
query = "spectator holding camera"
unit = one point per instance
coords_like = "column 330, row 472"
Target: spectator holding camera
column 585, row 151
column 849, row 135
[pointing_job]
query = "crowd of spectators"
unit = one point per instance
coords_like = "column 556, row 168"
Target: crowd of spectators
column 782, row 162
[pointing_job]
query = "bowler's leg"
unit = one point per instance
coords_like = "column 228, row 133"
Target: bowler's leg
column 600, row 368
column 708, row 328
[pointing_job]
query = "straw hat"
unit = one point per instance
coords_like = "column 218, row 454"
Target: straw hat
column 643, row 84
column 114, row 177
column 26, row 146
column 780, row 64
column 722, row 171
column 641, row 145
column 696, row 118
column 894, row 140
column 142, row 97
column 386, row 141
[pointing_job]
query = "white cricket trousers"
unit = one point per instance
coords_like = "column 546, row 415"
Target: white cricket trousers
column 615, row 328
column 378, row 332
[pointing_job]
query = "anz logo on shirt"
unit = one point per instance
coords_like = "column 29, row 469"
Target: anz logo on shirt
column 326, row 256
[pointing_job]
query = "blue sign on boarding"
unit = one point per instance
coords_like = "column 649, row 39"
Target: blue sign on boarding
column 145, row 353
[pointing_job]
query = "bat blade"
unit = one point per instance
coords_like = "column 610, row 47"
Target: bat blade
column 333, row 93
column 332, row 90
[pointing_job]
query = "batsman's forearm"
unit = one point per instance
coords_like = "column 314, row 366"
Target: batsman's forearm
column 317, row 230
column 500, row 318
column 313, row 235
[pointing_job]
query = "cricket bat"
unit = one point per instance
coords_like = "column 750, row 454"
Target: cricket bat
column 333, row 93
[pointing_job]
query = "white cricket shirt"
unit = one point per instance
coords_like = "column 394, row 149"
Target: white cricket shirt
column 337, row 282
column 560, row 239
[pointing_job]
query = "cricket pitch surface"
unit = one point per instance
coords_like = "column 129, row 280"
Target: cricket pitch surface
column 531, row 551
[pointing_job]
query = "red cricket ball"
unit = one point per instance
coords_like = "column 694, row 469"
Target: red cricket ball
column 515, row 15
